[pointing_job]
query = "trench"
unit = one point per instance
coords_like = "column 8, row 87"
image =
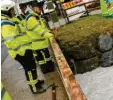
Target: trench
column 87, row 44
column 88, row 49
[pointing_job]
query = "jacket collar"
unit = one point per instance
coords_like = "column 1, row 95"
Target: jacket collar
column 3, row 16
column 32, row 12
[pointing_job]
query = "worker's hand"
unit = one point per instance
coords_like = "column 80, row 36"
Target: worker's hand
column 52, row 38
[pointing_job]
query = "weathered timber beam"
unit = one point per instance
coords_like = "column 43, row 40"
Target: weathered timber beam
column 73, row 89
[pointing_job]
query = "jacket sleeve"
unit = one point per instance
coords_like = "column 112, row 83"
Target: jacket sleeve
column 8, row 32
column 19, row 24
column 34, row 25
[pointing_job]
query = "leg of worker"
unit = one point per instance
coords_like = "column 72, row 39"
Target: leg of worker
column 39, row 57
column 44, row 59
column 28, row 63
column 49, row 62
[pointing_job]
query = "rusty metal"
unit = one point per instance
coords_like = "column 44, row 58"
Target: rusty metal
column 71, row 85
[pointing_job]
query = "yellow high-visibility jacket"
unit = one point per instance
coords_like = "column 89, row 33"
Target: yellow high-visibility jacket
column 21, row 17
column 14, row 41
column 107, row 7
column 37, row 30
column 20, row 21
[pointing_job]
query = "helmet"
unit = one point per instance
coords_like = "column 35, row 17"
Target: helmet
column 7, row 4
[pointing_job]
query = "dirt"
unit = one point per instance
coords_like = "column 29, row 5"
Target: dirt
column 83, row 30
column 79, row 40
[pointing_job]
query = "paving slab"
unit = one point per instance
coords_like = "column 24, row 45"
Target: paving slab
column 15, row 82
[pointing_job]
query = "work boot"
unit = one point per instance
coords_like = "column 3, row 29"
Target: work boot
column 34, row 84
column 40, row 89
column 41, row 81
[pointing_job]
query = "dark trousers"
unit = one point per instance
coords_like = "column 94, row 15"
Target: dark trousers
column 29, row 65
column 28, row 62
column 39, row 56
column 49, row 65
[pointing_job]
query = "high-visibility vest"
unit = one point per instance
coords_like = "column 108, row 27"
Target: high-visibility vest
column 4, row 94
column 22, row 24
column 37, row 30
column 13, row 40
column 107, row 7
column 20, row 21
column 8, row 33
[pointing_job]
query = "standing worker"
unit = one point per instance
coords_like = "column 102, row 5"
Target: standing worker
column 47, row 64
column 37, row 30
column 19, row 46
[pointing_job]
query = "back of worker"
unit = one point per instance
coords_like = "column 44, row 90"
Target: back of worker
column 14, row 40
column 19, row 46
column 37, row 31
column 9, row 32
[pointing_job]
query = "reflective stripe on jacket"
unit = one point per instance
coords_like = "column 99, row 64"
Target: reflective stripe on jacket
column 37, row 30
column 15, row 42
column 9, row 32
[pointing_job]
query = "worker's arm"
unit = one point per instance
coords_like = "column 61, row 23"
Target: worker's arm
column 8, row 33
column 34, row 24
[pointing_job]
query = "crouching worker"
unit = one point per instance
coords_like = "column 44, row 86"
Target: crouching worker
column 19, row 46
column 40, row 34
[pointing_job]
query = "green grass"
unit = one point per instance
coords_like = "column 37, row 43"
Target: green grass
column 83, row 29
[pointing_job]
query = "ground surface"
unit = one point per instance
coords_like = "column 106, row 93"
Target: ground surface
column 15, row 82
column 98, row 84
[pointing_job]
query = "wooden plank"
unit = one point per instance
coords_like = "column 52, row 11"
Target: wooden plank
column 73, row 89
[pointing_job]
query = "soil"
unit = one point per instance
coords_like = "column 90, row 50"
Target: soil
column 79, row 40
column 83, row 30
